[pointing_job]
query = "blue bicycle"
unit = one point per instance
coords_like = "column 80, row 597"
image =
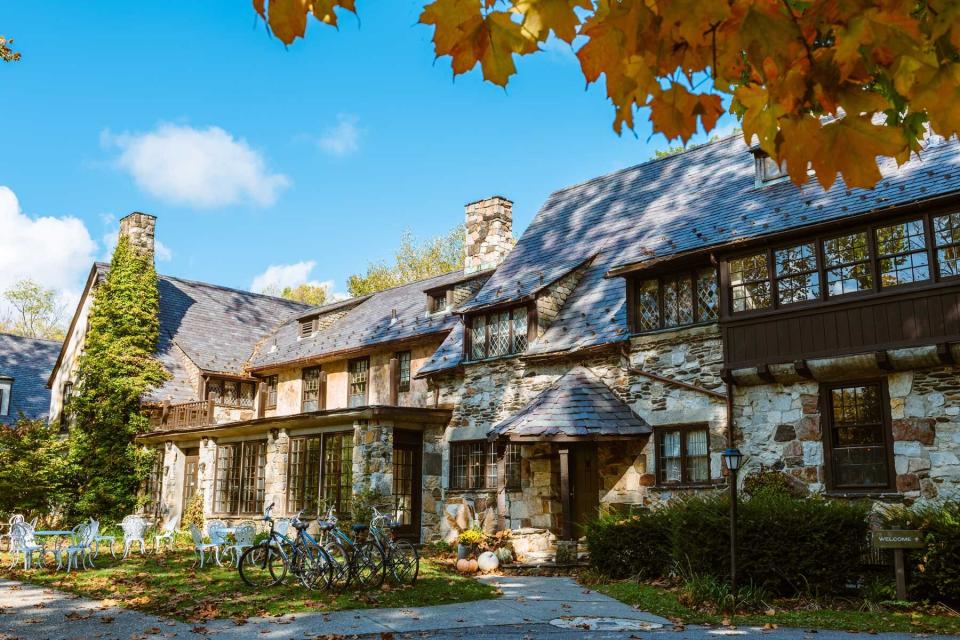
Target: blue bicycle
column 267, row 564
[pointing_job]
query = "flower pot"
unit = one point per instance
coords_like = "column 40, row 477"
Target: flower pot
column 464, row 551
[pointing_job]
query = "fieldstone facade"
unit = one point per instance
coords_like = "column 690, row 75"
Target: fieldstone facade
column 489, row 233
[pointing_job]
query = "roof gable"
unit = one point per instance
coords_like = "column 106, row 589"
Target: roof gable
column 28, row 361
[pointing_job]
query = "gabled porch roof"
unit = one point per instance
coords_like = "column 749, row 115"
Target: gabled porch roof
column 577, row 407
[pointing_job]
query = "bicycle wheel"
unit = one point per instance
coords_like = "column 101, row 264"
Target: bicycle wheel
column 263, row 565
column 315, row 567
column 404, row 562
column 369, row 565
column 340, row 566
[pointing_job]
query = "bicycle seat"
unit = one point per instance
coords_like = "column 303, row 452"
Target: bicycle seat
column 300, row 525
column 360, row 527
column 324, row 525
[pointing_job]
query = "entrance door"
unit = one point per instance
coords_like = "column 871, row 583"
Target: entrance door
column 407, row 480
column 191, row 468
column 585, row 486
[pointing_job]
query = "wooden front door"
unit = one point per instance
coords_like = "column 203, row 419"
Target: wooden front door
column 407, row 481
column 191, row 475
column 584, row 486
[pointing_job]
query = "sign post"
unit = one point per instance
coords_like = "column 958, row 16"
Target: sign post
column 898, row 540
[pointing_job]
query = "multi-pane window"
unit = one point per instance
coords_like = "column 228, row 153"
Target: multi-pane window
column 512, row 466
column 473, row 465
column 311, row 389
column 404, row 477
column 271, row 386
column 798, row 279
column 676, row 300
column 154, row 485
column 750, row 283
column 5, row 386
column 403, row 371
column 498, row 333
column 239, row 485
column 359, row 381
column 902, row 250
column 231, row 393
column 858, row 437
column 946, row 236
column 847, row 263
column 303, row 475
column 683, row 455
column 337, row 476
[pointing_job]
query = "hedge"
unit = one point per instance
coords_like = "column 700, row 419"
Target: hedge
column 934, row 570
column 786, row 545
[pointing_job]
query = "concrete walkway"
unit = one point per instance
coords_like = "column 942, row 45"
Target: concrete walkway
column 531, row 607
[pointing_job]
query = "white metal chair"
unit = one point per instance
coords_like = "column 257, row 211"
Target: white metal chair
column 218, row 536
column 134, row 528
column 167, row 535
column 243, row 536
column 200, row 548
column 81, row 545
column 24, row 542
column 281, row 526
column 97, row 539
column 14, row 519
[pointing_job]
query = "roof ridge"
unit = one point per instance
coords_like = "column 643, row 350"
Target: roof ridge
column 23, row 337
column 234, row 289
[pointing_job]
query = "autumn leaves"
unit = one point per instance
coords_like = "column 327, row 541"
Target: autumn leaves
column 824, row 84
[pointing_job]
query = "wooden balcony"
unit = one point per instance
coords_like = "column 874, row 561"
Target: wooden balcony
column 182, row 415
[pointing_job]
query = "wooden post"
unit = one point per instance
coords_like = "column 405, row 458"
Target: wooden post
column 501, row 485
column 898, row 567
column 210, row 413
column 261, row 400
column 449, row 298
column 394, row 382
column 566, row 531
column 164, row 412
column 322, row 391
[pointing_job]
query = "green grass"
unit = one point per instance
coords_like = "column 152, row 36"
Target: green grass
column 169, row 585
column 839, row 614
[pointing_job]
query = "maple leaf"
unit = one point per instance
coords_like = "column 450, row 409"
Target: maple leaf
column 540, row 17
column 288, row 18
column 845, row 144
column 325, row 10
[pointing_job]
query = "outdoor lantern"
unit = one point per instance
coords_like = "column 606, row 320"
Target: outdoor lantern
column 732, row 457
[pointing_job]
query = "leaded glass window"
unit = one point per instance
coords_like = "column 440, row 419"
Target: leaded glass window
column 750, row 283
column 239, row 484
column 311, row 389
column 403, row 371
column 677, row 301
column 798, row 279
column 499, row 333
column 648, row 305
column 473, row 465
column 478, row 337
column 512, row 466
column 902, row 251
column 708, row 304
column 946, row 235
column 847, row 264
column 359, row 381
column 519, row 320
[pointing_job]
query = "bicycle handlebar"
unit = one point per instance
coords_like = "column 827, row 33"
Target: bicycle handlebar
column 266, row 513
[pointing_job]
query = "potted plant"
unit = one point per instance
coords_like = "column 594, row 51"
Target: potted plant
column 468, row 541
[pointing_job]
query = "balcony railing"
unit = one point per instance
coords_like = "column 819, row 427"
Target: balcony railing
column 183, row 415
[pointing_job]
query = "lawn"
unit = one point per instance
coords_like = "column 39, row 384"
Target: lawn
column 169, row 585
column 837, row 614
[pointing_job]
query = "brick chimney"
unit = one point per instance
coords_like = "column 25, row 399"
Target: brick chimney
column 138, row 228
column 489, row 233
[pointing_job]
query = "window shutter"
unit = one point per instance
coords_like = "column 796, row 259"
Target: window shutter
column 308, row 327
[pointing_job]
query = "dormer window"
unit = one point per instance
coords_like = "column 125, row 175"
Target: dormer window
column 498, row 333
column 308, row 326
column 675, row 300
column 768, row 170
column 439, row 300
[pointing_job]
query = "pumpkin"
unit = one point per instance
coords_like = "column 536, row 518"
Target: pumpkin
column 463, row 566
column 473, row 566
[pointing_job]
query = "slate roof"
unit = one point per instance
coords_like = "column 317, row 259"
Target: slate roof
column 578, row 405
column 705, row 197
column 28, row 361
column 367, row 324
column 216, row 328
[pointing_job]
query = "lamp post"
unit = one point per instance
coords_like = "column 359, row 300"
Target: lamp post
column 732, row 458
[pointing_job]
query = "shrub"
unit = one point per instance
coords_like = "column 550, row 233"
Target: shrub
column 627, row 546
column 935, row 569
column 193, row 514
column 35, row 473
column 786, row 545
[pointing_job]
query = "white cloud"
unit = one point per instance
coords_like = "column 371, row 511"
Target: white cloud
column 161, row 252
column 203, row 168
column 343, row 138
column 55, row 252
column 277, row 277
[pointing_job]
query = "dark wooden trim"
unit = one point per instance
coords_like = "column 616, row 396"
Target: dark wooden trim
column 261, row 399
column 566, row 529
column 322, row 391
column 658, row 445
column 764, row 373
column 944, row 354
column 394, row 373
column 883, row 360
column 802, row 369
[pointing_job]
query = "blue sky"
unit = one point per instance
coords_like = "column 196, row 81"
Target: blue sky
column 253, row 155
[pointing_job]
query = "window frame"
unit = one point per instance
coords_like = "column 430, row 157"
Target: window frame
column 490, row 454
column 353, row 398
column 298, row 473
column 683, row 430
column 873, row 260
column 403, row 380
column 221, row 382
column 271, row 385
column 343, row 489
column 826, row 435
column 259, row 477
column 468, row 341
column 692, row 277
column 512, row 459
column 938, row 247
column 303, row 387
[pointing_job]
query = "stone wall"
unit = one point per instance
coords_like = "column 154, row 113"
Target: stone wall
column 550, row 301
column 373, row 459
column 139, row 229
column 780, row 427
column 489, row 233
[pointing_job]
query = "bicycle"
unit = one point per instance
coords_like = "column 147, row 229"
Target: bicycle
column 401, row 556
column 359, row 559
column 266, row 564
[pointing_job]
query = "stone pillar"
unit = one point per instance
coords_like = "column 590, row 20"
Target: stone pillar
column 139, row 229
column 489, row 233
column 205, row 480
column 275, row 471
column 171, row 497
column 373, row 458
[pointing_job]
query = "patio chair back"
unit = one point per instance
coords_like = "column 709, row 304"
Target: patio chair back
column 83, row 535
column 281, row 526
column 21, row 535
column 15, row 518
column 196, row 535
column 171, row 525
column 215, row 531
column 133, row 527
column 94, row 528
column 245, row 533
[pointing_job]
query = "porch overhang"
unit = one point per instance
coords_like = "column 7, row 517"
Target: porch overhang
column 405, row 416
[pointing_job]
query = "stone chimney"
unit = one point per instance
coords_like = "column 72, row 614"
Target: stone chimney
column 489, row 233
column 138, row 228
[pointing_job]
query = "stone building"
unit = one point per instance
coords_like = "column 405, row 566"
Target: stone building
column 643, row 322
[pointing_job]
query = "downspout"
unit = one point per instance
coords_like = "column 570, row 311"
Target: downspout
column 730, row 427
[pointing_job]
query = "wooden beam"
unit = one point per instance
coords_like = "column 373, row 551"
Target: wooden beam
column 261, row 399
column 566, row 532
column 944, row 354
column 802, row 369
column 394, row 369
column 322, row 391
column 764, row 373
column 883, row 360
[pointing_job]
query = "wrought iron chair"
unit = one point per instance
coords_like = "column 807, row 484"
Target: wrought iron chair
column 14, row 519
column 24, row 542
column 81, row 545
column 134, row 527
column 97, row 539
column 167, row 535
column 200, row 548
column 218, row 536
column 243, row 536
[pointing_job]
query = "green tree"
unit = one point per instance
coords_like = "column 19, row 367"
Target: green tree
column 306, row 293
column 116, row 369
column 35, row 471
column 414, row 260
column 37, row 311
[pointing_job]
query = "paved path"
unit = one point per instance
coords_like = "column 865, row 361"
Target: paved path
column 531, row 607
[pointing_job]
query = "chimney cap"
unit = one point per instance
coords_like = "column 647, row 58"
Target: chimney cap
column 493, row 197
column 138, row 213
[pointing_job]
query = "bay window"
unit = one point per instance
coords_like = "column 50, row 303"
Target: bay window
column 498, row 333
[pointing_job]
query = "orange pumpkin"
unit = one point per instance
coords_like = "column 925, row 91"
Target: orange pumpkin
column 473, row 566
column 463, row 566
